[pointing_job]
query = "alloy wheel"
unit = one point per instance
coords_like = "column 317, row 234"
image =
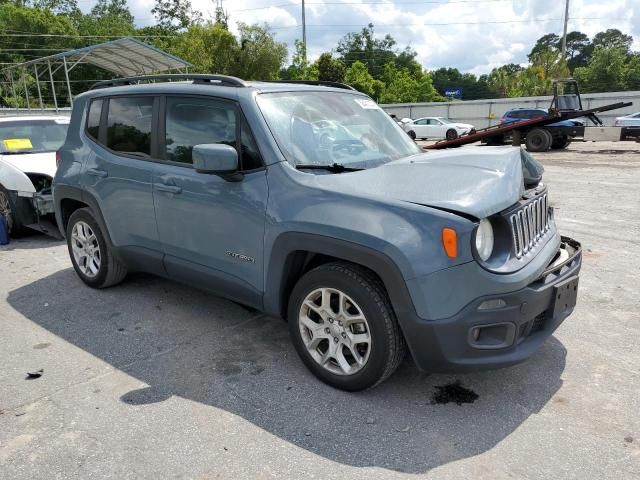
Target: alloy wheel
column 86, row 249
column 335, row 331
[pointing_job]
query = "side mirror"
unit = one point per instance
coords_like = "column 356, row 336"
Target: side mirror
column 216, row 158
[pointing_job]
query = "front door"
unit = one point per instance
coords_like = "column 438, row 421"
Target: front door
column 211, row 228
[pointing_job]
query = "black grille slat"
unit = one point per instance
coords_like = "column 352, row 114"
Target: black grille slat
column 529, row 224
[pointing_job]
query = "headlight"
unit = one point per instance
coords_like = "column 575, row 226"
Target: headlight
column 484, row 239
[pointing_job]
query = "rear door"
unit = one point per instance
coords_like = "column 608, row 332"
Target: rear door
column 119, row 170
column 211, row 228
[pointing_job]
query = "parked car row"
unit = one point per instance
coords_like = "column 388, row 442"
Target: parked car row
column 28, row 148
column 310, row 203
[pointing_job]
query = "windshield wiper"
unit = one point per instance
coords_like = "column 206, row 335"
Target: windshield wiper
column 333, row 168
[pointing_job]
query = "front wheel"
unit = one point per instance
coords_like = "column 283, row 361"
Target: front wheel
column 412, row 134
column 344, row 328
column 91, row 254
column 451, row 134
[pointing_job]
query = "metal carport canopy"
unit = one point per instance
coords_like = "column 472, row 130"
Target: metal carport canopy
column 125, row 56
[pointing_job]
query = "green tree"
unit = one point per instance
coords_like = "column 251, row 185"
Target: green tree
column 579, row 50
column 473, row 87
column 546, row 42
column 300, row 68
column 631, row 76
column 209, row 47
column 613, row 38
column 606, row 71
column 175, row 14
column 359, row 78
column 260, row 56
column 365, row 48
column 329, row 68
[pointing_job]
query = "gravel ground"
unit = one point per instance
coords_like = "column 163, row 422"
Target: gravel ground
column 151, row 379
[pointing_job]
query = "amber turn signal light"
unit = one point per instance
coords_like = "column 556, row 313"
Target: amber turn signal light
column 450, row 242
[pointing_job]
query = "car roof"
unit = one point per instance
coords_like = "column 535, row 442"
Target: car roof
column 187, row 87
column 520, row 109
column 27, row 118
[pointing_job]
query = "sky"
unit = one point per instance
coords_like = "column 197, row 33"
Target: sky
column 471, row 35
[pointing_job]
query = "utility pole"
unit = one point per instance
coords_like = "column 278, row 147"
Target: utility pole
column 304, row 33
column 564, row 36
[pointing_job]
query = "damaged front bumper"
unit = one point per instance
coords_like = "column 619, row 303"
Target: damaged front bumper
column 499, row 330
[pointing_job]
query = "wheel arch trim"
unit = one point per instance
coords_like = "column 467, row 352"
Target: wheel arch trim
column 286, row 244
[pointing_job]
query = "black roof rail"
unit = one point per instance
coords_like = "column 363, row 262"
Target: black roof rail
column 222, row 80
column 321, row 83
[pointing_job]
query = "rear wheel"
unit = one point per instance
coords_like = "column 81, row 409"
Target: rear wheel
column 561, row 142
column 91, row 254
column 538, row 140
column 452, row 134
column 343, row 327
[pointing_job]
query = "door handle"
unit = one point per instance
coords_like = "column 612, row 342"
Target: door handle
column 167, row 188
column 97, row 173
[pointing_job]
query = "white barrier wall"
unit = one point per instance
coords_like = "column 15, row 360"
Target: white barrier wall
column 485, row 113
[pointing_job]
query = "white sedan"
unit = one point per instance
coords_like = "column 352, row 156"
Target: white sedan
column 436, row 127
column 632, row 120
column 28, row 146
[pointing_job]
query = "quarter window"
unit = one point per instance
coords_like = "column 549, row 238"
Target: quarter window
column 93, row 119
column 129, row 125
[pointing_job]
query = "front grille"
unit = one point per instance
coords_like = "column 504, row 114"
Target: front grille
column 529, row 224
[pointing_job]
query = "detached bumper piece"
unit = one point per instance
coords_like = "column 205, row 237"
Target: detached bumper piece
column 506, row 329
column 44, row 214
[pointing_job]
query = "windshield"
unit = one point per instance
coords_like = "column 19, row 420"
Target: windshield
column 444, row 120
column 321, row 128
column 32, row 136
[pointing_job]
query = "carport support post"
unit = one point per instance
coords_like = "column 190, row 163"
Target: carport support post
column 66, row 76
column 53, row 87
column 26, row 92
column 13, row 88
column 35, row 69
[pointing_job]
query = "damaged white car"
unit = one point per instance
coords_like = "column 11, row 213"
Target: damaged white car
column 28, row 148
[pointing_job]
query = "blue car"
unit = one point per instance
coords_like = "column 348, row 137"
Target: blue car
column 520, row 114
column 309, row 203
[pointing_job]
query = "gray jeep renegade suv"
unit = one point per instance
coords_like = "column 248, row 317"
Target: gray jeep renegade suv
column 308, row 202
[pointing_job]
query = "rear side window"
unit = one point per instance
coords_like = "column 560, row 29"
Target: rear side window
column 129, row 125
column 93, row 119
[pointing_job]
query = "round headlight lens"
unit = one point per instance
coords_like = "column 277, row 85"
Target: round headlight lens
column 484, row 239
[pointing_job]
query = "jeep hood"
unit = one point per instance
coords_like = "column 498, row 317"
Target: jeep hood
column 477, row 181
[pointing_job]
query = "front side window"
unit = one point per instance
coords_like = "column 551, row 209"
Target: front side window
column 196, row 121
column 193, row 121
column 129, row 125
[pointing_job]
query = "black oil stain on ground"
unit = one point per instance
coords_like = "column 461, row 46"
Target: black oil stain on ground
column 453, row 392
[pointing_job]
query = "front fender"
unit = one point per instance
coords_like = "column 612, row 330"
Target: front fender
column 14, row 179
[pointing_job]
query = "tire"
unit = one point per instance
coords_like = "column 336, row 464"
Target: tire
column 538, row 140
column 17, row 211
column 451, row 134
column 97, row 271
column 382, row 347
column 412, row 134
column 560, row 143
